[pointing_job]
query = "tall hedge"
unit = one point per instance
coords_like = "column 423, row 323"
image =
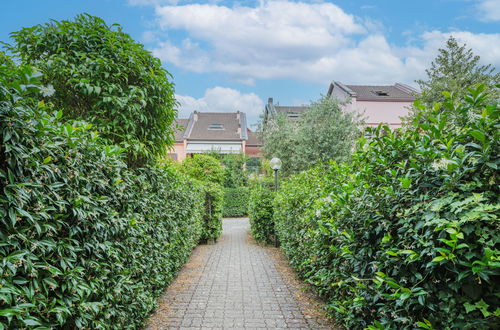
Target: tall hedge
column 260, row 211
column 86, row 242
column 208, row 171
column 98, row 73
column 407, row 236
column 236, row 202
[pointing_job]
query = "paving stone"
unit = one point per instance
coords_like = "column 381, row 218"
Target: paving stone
column 233, row 284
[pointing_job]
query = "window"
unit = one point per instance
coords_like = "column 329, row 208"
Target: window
column 380, row 93
column 293, row 115
column 215, row 127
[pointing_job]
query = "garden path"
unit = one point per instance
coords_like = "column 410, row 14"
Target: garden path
column 236, row 284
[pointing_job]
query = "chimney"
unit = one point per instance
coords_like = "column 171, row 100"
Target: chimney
column 195, row 116
column 270, row 101
column 238, row 115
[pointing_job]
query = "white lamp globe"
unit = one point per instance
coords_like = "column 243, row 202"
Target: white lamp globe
column 275, row 163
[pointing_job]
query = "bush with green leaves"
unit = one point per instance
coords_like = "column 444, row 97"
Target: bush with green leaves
column 234, row 170
column 86, row 242
column 322, row 133
column 236, row 202
column 98, row 73
column 208, row 171
column 407, row 235
column 212, row 216
column 260, row 211
column 203, row 167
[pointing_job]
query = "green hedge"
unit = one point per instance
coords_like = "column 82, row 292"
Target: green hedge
column 407, row 235
column 209, row 173
column 261, row 211
column 85, row 241
column 212, row 217
column 236, row 202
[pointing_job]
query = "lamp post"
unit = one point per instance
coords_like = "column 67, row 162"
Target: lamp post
column 276, row 166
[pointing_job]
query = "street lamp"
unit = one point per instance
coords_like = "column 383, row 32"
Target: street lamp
column 276, row 166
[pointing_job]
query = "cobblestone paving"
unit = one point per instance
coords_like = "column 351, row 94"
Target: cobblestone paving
column 233, row 284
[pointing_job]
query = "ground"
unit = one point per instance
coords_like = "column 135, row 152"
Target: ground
column 237, row 284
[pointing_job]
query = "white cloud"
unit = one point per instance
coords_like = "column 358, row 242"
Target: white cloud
column 222, row 99
column 489, row 10
column 313, row 42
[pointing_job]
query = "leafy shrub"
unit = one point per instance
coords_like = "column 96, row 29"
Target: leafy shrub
column 322, row 133
column 85, row 241
column 235, row 202
column 208, row 171
column 260, row 210
column 407, row 235
column 100, row 75
column 234, row 170
column 204, row 168
column 253, row 165
column 212, row 217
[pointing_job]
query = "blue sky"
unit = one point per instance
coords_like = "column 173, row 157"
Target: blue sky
column 233, row 55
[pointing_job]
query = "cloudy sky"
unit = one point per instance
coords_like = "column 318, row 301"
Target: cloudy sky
column 234, row 55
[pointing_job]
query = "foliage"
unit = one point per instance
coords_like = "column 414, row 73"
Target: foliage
column 97, row 73
column 204, row 168
column 86, row 242
column 260, row 209
column 253, row 165
column 407, row 234
column 210, row 173
column 323, row 133
column 212, row 217
column 453, row 70
column 235, row 202
column 235, row 175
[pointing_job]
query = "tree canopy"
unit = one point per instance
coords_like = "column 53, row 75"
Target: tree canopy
column 324, row 132
column 98, row 73
column 455, row 69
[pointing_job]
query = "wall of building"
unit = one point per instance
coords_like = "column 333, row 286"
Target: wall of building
column 252, row 151
column 383, row 112
column 178, row 152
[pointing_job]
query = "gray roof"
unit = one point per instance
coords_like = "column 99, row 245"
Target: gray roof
column 396, row 92
column 179, row 126
column 197, row 127
column 253, row 139
column 290, row 109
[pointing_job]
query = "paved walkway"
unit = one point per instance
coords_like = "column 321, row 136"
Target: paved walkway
column 234, row 284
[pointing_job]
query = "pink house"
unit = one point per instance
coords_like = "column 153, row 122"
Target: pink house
column 222, row 132
column 377, row 104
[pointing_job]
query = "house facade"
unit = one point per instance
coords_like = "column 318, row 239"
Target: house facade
column 377, row 104
column 220, row 132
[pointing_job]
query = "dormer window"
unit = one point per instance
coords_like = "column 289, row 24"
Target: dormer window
column 216, row 127
column 380, row 93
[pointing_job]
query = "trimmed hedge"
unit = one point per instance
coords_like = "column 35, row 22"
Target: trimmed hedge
column 236, row 202
column 212, row 217
column 261, row 211
column 85, row 241
column 407, row 235
column 208, row 171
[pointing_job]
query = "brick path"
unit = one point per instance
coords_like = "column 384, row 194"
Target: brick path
column 233, row 284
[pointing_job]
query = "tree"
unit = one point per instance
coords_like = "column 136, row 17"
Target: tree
column 99, row 74
column 204, row 168
column 454, row 70
column 235, row 175
column 324, row 132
